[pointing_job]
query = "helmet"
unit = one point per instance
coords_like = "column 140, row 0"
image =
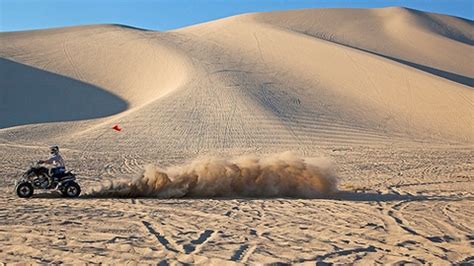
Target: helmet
column 54, row 149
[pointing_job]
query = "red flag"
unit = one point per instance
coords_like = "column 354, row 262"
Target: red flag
column 117, row 127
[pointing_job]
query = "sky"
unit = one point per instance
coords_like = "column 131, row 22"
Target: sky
column 164, row 15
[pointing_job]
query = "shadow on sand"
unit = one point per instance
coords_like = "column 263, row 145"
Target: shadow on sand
column 379, row 197
column 29, row 95
column 339, row 196
column 47, row 195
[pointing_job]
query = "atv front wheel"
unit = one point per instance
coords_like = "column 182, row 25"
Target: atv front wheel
column 71, row 190
column 24, row 190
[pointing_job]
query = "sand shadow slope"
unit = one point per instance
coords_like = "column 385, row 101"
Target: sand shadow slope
column 431, row 42
column 31, row 95
column 367, row 196
column 465, row 80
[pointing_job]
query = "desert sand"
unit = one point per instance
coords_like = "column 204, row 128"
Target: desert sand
column 369, row 110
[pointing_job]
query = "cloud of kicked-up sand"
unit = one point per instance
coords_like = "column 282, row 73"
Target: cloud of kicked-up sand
column 278, row 175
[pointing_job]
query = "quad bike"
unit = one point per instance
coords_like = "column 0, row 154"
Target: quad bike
column 40, row 177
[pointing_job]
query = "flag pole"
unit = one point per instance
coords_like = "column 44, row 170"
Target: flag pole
column 89, row 142
column 116, row 127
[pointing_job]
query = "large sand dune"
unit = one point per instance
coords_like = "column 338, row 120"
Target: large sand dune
column 384, row 93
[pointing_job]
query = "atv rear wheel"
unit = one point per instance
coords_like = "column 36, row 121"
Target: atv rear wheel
column 24, row 190
column 71, row 190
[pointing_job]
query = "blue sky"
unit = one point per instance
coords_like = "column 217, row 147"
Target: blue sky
column 170, row 14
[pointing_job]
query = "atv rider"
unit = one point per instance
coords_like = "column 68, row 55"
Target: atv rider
column 56, row 161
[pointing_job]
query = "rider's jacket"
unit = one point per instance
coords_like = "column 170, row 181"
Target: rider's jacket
column 56, row 160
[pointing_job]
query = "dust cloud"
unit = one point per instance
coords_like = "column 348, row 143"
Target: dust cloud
column 277, row 175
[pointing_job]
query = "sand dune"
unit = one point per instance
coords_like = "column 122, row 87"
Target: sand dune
column 134, row 64
column 400, row 33
column 386, row 94
column 285, row 72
